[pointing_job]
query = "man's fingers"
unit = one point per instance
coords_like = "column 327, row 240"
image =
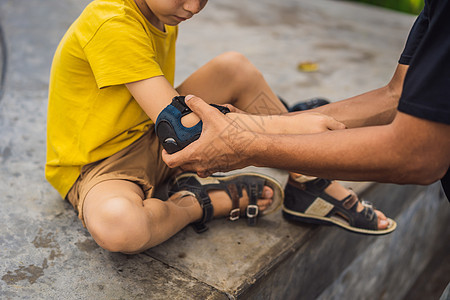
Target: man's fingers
column 168, row 159
column 200, row 107
column 173, row 160
column 176, row 160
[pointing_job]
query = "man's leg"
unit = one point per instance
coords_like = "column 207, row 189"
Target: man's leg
column 121, row 220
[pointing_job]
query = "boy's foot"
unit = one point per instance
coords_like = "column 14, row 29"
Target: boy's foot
column 246, row 194
column 322, row 201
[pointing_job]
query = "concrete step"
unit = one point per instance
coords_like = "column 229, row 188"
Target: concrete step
column 387, row 267
column 282, row 260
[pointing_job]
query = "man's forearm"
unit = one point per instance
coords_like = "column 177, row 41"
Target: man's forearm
column 407, row 151
column 347, row 154
column 373, row 108
column 377, row 107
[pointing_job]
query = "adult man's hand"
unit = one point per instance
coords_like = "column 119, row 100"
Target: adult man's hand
column 220, row 147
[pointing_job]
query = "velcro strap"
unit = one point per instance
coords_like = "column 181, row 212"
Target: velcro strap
column 208, row 214
column 234, row 195
column 208, row 210
column 369, row 213
column 252, row 208
column 199, row 227
column 317, row 186
column 222, row 109
column 349, row 201
column 178, row 103
column 252, row 213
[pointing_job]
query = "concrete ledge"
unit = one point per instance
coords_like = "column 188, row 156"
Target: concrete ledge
column 334, row 264
column 389, row 267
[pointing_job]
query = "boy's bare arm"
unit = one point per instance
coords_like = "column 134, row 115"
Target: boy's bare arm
column 152, row 94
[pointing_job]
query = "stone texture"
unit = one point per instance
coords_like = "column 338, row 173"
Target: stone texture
column 400, row 255
column 47, row 254
column 334, row 264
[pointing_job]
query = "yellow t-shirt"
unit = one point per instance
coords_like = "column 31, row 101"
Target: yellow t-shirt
column 91, row 113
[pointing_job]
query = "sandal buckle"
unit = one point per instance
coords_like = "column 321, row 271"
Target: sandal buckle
column 367, row 203
column 234, row 214
column 252, row 211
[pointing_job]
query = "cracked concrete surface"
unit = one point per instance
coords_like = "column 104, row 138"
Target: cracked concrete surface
column 45, row 251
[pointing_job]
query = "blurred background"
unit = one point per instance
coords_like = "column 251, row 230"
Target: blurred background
column 408, row 6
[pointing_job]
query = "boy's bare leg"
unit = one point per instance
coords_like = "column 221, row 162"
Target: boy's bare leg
column 121, row 220
column 231, row 78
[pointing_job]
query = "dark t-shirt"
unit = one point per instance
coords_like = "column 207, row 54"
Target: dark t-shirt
column 426, row 90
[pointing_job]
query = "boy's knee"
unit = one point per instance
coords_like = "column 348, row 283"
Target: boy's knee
column 233, row 57
column 116, row 227
column 237, row 63
column 239, row 72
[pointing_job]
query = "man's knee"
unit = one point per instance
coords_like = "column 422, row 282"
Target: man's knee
column 117, row 225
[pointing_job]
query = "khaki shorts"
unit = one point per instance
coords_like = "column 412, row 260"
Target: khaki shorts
column 140, row 163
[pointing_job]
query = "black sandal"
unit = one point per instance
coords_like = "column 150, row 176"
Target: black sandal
column 308, row 202
column 233, row 184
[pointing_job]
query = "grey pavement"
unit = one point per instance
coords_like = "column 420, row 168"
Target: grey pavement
column 45, row 252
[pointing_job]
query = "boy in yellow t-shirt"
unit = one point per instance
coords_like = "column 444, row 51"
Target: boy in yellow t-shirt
column 112, row 74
